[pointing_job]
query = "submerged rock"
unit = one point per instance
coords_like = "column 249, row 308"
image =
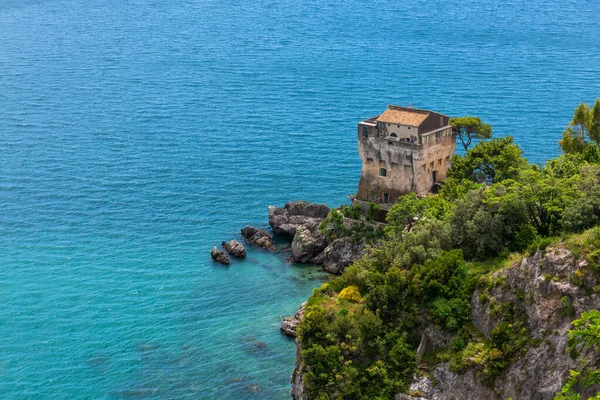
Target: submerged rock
column 219, row 256
column 254, row 346
column 339, row 254
column 259, row 237
column 253, row 388
column 289, row 324
column 235, row 248
column 286, row 220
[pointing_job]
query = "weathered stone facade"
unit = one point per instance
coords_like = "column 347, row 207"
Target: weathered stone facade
column 403, row 150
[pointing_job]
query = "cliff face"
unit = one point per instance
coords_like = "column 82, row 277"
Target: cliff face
column 546, row 291
column 297, row 380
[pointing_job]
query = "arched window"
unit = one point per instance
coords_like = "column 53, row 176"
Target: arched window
column 393, row 135
column 382, row 172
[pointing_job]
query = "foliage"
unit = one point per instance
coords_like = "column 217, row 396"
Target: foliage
column 586, row 332
column 584, row 335
column 489, row 162
column 467, row 128
column 350, row 293
column 333, row 226
column 583, row 130
column 376, row 337
column 362, row 227
column 404, row 214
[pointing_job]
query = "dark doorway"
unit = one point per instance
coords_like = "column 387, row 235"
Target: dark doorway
column 434, row 175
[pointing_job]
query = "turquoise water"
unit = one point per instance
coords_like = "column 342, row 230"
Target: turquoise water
column 135, row 135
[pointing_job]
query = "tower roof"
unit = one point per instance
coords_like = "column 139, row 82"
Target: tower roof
column 403, row 116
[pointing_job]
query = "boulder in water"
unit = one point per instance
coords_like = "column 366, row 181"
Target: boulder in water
column 259, row 237
column 235, row 248
column 219, row 256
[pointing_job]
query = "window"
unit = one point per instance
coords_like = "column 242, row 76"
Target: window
column 386, row 197
column 365, row 132
column 393, row 135
column 382, row 172
column 369, row 161
column 438, row 135
column 440, row 161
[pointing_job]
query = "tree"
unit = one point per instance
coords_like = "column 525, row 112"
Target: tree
column 489, row 220
column 467, row 128
column 489, row 162
column 545, row 197
column 404, row 213
column 584, row 126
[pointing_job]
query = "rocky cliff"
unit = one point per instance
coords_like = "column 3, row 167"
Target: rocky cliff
column 538, row 295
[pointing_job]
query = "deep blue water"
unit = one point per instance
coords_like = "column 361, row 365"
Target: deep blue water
column 135, row 135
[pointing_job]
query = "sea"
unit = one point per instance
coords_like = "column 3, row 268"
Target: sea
column 135, row 135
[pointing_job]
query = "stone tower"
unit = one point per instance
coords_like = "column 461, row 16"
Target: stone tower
column 403, row 150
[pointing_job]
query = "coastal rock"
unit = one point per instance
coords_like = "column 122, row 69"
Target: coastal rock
column 339, row 254
column 259, row 237
column 303, row 245
column 289, row 324
column 308, row 243
column 286, row 220
column 219, row 256
column 235, row 248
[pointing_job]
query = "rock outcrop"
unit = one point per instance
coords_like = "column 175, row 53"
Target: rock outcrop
column 289, row 324
column 219, row 256
column 308, row 243
column 339, row 254
column 541, row 286
column 285, row 221
column 258, row 237
column 235, row 248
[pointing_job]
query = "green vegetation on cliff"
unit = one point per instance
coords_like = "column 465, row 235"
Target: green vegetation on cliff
column 361, row 331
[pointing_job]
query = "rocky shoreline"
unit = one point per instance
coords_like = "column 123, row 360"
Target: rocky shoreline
column 301, row 222
column 298, row 221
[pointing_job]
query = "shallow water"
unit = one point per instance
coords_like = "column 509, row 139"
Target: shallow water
column 135, row 135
